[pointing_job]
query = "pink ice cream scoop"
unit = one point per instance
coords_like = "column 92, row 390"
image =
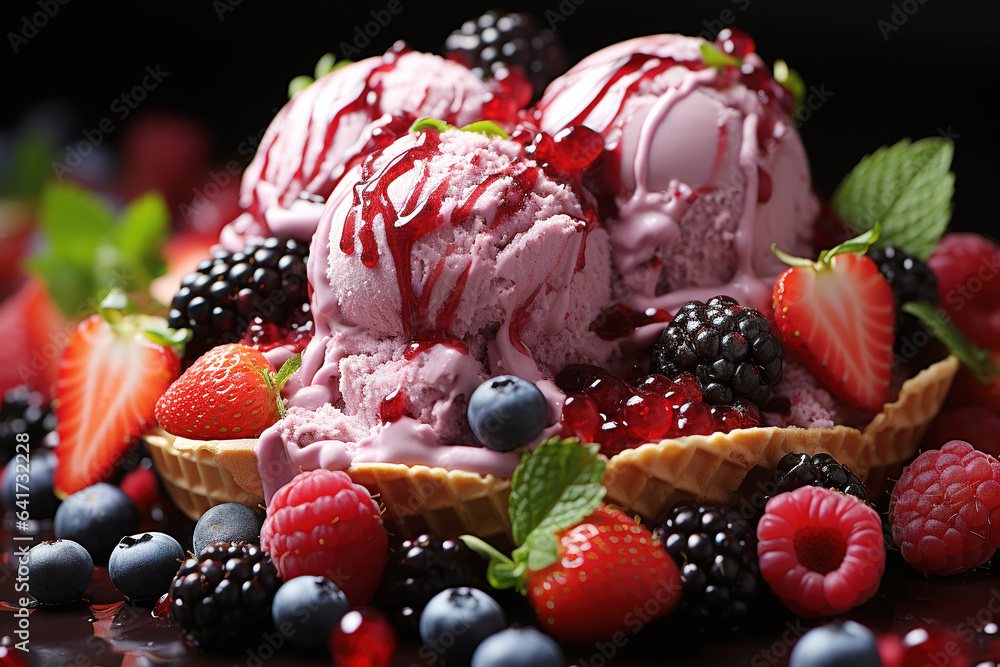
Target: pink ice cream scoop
column 443, row 260
column 335, row 122
column 703, row 168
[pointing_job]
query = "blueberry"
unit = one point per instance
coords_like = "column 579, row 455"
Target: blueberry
column 143, row 565
column 97, row 517
column 507, row 412
column 518, row 647
column 41, row 501
column 58, row 571
column 306, row 610
column 228, row 522
column 839, row 644
column 456, row 620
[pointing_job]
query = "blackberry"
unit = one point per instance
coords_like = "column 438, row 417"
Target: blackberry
column 24, row 410
column 798, row 469
column 420, row 569
column 229, row 293
column 223, row 595
column 716, row 551
column 496, row 40
column 728, row 347
column 911, row 280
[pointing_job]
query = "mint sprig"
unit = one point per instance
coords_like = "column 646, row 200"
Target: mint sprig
column 908, row 188
column 90, row 250
column 553, row 488
column 941, row 325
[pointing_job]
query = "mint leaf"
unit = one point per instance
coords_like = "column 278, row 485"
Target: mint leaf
column 299, row 83
column 713, row 56
column 501, row 571
column 287, row 369
column 907, row 187
column 29, row 167
column 89, row 251
column 430, row 124
column 485, row 127
column 139, row 236
column 324, row 65
column 554, row 487
column 941, row 325
column 791, row 80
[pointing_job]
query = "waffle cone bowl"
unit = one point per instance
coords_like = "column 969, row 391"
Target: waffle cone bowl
column 647, row 480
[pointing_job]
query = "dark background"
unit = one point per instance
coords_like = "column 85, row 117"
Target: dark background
column 888, row 69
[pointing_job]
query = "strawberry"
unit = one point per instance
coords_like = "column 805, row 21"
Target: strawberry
column 33, row 331
column 113, row 370
column 230, row 392
column 588, row 571
column 836, row 317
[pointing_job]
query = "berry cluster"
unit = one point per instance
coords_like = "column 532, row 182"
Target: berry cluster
column 496, row 41
column 911, row 280
column 729, row 348
column 224, row 594
column 604, row 409
column 716, row 552
column 23, row 410
column 259, row 294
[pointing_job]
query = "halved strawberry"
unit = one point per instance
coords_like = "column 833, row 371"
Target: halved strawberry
column 33, row 331
column 836, row 317
column 230, row 392
column 111, row 375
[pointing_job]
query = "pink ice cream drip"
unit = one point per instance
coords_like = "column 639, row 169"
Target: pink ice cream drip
column 439, row 262
column 332, row 124
column 703, row 169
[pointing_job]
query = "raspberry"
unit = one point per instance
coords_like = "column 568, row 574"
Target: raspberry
column 974, row 424
column 945, row 509
column 964, row 265
column 323, row 524
column 820, row 550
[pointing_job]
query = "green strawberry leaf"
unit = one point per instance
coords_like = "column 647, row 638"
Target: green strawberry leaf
column 555, row 487
column 907, row 187
column 713, row 56
column 858, row 245
column 941, row 325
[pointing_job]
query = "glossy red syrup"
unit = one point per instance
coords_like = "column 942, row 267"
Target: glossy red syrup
column 604, row 409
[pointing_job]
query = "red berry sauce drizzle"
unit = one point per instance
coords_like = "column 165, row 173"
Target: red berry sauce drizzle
column 604, row 409
column 420, row 215
column 509, row 91
column 634, row 70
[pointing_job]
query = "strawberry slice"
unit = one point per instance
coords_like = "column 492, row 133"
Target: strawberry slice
column 32, row 330
column 836, row 317
column 230, row 392
column 111, row 375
